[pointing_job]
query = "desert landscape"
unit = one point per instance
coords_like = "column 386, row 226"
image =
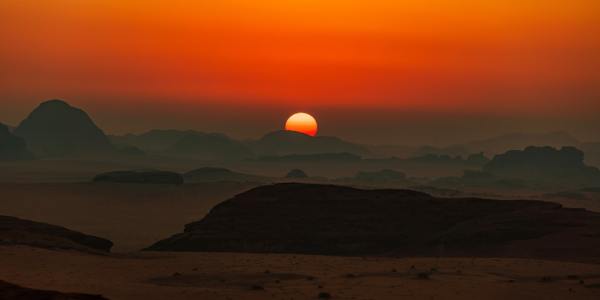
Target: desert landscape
column 94, row 222
column 299, row 149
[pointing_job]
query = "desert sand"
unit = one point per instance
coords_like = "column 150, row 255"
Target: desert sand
column 151, row 275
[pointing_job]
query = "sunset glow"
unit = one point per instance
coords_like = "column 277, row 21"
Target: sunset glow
column 221, row 65
column 302, row 122
column 462, row 55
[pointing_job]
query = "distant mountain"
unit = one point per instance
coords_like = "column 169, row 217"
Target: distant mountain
column 210, row 174
column 390, row 150
column 289, row 142
column 56, row 129
column 156, row 140
column 186, row 143
column 319, row 157
column 337, row 220
column 15, row 231
column 472, row 160
column 544, row 164
column 519, row 141
column 12, row 147
column 456, row 150
column 209, row 146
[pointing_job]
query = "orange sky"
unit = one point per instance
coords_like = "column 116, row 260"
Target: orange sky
column 521, row 56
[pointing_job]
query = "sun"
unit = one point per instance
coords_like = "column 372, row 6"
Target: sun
column 302, row 122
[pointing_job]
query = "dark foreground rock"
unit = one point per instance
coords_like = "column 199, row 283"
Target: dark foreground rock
column 10, row 291
column 15, row 231
column 335, row 220
column 148, row 177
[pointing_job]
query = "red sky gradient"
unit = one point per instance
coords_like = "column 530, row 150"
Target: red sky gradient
column 527, row 57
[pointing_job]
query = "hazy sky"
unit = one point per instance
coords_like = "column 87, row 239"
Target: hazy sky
column 378, row 71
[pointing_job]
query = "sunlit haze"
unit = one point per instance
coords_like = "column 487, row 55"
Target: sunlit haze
column 431, row 66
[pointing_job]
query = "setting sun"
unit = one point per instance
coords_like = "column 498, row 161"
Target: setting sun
column 302, row 122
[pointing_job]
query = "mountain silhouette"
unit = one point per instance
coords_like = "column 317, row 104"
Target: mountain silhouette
column 186, row 143
column 454, row 150
column 209, row 146
column 518, row 141
column 319, row 157
column 285, row 142
column 156, row 140
column 12, row 147
column 531, row 167
column 56, row 129
column 337, row 220
column 544, row 164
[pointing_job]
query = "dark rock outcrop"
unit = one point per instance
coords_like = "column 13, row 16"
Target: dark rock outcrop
column 210, row 174
column 289, row 142
column 142, row 176
column 9, row 291
column 15, row 231
column 56, row 129
column 12, row 147
column 335, row 220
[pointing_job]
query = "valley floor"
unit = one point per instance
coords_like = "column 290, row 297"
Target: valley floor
column 153, row 275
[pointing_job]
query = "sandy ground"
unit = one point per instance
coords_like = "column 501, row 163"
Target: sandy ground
column 273, row 276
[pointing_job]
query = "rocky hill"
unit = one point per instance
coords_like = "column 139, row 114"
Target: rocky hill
column 57, row 129
column 336, row 220
column 15, row 231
